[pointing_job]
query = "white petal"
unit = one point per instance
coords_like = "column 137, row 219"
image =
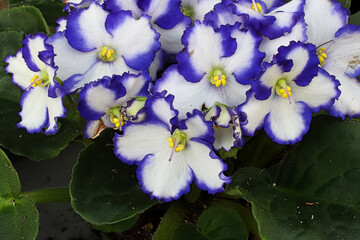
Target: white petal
column 195, row 127
column 300, row 57
column 171, row 38
column 256, row 111
column 323, row 19
column 188, row 96
column 133, row 33
column 90, row 24
column 69, row 60
column 99, row 98
column 55, row 110
column 207, row 170
column 245, row 52
column 21, row 73
column 223, row 138
column 319, row 92
column 270, row 47
column 205, row 47
column 343, row 54
column 288, row 121
column 164, row 179
column 161, row 108
column 140, row 140
column 348, row 104
column 34, row 110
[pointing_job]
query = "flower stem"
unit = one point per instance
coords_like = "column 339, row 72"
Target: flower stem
column 172, row 219
column 49, row 195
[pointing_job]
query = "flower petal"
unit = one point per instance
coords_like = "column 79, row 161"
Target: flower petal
column 21, row 73
column 34, row 113
column 256, row 111
column 85, row 28
column 69, row 60
column 207, row 167
column 163, row 179
column 288, row 121
column 320, row 93
column 323, row 24
column 140, row 140
column 138, row 52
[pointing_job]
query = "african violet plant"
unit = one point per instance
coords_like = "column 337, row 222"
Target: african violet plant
column 235, row 119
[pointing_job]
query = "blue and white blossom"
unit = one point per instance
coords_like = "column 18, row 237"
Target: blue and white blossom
column 97, row 43
column 218, row 64
column 287, row 93
column 227, row 126
column 170, row 154
column 103, row 102
column 338, row 50
column 165, row 15
column 34, row 72
column 270, row 18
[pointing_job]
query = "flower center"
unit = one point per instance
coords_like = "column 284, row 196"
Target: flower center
column 322, row 55
column 177, row 141
column 217, row 77
column 282, row 88
column 188, row 11
column 42, row 81
column 107, row 54
column 116, row 117
column 256, row 7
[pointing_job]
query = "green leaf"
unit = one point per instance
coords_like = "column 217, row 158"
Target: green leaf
column 313, row 193
column 27, row 18
column 104, row 190
column 9, row 180
column 187, row 231
column 355, row 18
column 18, row 216
column 10, row 43
column 117, row 227
column 216, row 223
column 19, row 219
column 51, row 9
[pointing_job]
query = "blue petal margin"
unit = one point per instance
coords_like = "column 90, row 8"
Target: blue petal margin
column 311, row 68
column 306, row 114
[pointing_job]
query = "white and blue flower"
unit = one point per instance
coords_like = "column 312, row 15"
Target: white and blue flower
column 270, row 18
column 227, row 126
column 165, row 16
column 287, row 93
column 171, row 154
column 103, row 102
column 34, row 72
column 218, row 66
column 97, row 43
column 338, row 49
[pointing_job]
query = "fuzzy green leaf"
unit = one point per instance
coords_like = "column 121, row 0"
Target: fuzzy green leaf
column 313, row 193
column 104, row 190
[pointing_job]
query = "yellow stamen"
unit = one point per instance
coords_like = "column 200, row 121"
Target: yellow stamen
column 107, row 54
column 282, row 89
column 257, row 7
column 321, row 52
column 179, row 148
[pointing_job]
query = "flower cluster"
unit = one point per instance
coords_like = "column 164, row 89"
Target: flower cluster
column 180, row 79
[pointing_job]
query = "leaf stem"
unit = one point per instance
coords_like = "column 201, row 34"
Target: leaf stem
column 172, row 219
column 49, row 195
